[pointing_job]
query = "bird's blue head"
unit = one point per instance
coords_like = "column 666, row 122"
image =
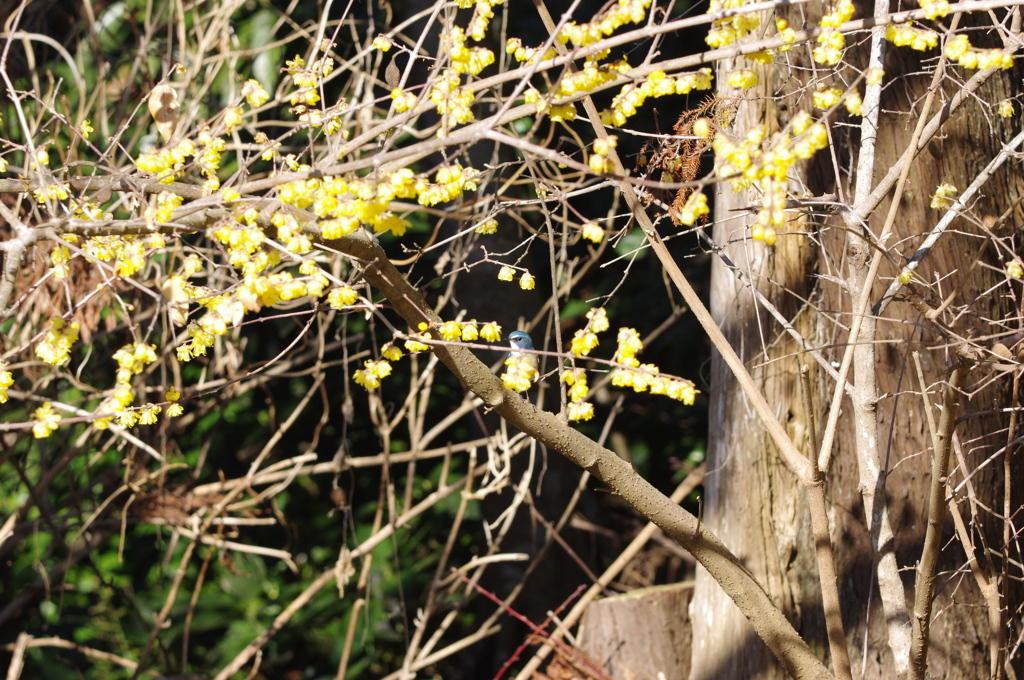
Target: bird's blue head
column 520, row 340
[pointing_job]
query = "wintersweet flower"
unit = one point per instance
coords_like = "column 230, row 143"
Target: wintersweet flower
column 46, row 421
column 55, row 347
column 491, row 332
column 519, row 374
column 6, row 380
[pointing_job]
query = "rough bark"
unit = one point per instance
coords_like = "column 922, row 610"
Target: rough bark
column 751, row 502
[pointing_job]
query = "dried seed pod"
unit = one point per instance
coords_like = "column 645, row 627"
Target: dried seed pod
column 164, row 107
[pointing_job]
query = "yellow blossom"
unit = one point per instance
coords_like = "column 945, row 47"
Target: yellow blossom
column 580, row 410
column 1005, row 109
column 451, row 330
column 487, row 227
column 46, row 421
column 254, row 93
column 55, row 347
column 824, row 99
column 390, row 352
column 506, row 274
column 132, row 359
column 583, row 341
column 941, row 199
column 592, row 232
column 85, row 128
column 6, row 380
column 526, row 281
column 232, row 117
column 742, row 79
column 1014, row 270
column 598, row 317
column 695, row 207
column 491, row 332
column 412, row 345
column 341, row 297
column 520, row 373
column 148, row 414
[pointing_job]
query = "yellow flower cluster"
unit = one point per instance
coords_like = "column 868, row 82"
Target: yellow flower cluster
column 174, row 409
column 390, row 352
column 341, row 297
column 469, row 331
column 520, row 373
column 599, row 161
column 657, row 84
column 307, row 80
column 771, row 215
column 530, row 55
column 481, row 18
column 578, row 408
column 55, row 347
column 416, row 345
column 128, row 251
column 743, row 79
column 959, row 49
column 242, row 238
column 450, row 182
column 133, row 359
column 6, row 380
column 168, row 162
column 54, row 192
column 590, row 77
column 254, row 93
column 731, row 29
column 471, row 60
column 60, row 256
column 232, row 117
column 618, row 15
column 747, row 163
column 935, row 9
column 942, row 198
column 196, row 346
column 163, row 210
column 592, row 232
column 451, row 100
column 585, row 339
column 370, row 376
column 787, row 34
column 1005, row 109
column 831, row 42
column 1014, row 269
column 208, row 160
column 696, row 206
column 919, row 39
column 487, row 227
column 46, row 421
column 403, row 100
column 644, row 377
column 853, row 103
column 344, row 204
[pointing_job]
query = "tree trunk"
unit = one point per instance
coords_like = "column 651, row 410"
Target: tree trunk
column 752, row 502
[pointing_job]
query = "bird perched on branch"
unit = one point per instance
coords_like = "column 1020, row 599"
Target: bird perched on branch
column 521, row 366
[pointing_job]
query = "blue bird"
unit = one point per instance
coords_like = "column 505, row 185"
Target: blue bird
column 521, row 340
column 521, row 366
